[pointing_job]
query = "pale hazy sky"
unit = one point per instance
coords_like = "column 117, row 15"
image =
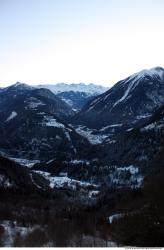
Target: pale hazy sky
column 99, row 41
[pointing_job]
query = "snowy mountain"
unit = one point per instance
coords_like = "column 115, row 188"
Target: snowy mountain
column 17, row 88
column 104, row 165
column 76, row 95
column 10, row 97
column 33, row 124
column 126, row 102
column 90, row 89
column 75, row 99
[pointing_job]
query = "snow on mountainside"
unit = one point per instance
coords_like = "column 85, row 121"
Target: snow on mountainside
column 31, row 99
column 105, row 122
column 76, row 99
column 13, row 114
column 76, row 95
column 155, row 73
column 18, row 87
column 126, row 101
column 98, row 163
column 90, row 89
column 33, row 124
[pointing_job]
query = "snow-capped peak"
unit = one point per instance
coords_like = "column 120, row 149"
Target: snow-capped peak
column 21, row 86
column 135, row 79
column 153, row 72
column 91, row 88
column 18, row 86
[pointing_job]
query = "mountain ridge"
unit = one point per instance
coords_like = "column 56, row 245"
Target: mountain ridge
column 123, row 102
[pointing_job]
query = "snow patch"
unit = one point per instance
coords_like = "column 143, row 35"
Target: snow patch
column 76, row 162
column 64, row 181
column 90, row 89
column 93, row 193
column 126, row 93
column 132, row 169
column 115, row 217
column 143, row 116
column 49, row 121
column 33, row 103
column 111, row 126
column 25, row 162
column 148, row 127
column 154, row 72
column 68, row 101
column 129, row 129
column 68, row 136
column 88, row 134
column 12, row 116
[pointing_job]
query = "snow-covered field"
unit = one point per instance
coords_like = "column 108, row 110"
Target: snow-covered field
column 52, row 122
column 25, row 162
column 66, row 182
column 89, row 134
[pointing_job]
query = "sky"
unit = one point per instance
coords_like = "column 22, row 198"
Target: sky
column 73, row 41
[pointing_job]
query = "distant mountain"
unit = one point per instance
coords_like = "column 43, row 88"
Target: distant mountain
column 76, row 95
column 91, row 88
column 123, row 125
column 128, row 101
column 12, row 95
column 75, row 99
column 100, row 166
column 33, row 124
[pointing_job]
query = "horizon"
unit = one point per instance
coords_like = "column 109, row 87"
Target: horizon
column 78, row 83
column 73, row 41
column 58, row 83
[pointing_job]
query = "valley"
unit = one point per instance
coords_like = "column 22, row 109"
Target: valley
column 84, row 157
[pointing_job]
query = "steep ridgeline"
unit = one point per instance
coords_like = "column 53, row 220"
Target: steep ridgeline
column 127, row 102
column 75, row 95
column 32, row 124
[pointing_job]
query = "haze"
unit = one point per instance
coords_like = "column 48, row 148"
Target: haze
column 72, row 41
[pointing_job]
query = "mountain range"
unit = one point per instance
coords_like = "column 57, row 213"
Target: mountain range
column 38, row 125
column 33, row 123
column 129, row 100
column 87, row 144
column 75, row 95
